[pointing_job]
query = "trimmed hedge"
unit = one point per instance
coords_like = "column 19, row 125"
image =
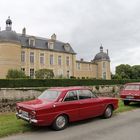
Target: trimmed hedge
column 6, row 83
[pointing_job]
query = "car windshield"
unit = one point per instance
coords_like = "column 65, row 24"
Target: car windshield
column 49, row 94
column 132, row 87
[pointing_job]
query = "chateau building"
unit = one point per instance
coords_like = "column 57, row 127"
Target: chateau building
column 30, row 53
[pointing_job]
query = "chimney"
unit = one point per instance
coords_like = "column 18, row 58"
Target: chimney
column 53, row 37
column 82, row 59
column 24, row 31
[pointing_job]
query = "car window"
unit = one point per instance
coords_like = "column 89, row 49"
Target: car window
column 85, row 94
column 49, row 94
column 132, row 87
column 71, row 96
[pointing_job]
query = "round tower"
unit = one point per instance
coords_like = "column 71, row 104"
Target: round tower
column 10, row 50
column 103, row 64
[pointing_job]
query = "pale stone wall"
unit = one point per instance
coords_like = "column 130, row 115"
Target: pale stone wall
column 100, row 70
column 18, row 93
column 57, row 69
column 92, row 70
column 85, row 69
column 9, row 57
column 25, row 93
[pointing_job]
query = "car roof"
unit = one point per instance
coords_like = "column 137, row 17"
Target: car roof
column 68, row 88
column 135, row 83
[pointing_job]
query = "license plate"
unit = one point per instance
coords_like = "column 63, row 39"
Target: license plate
column 129, row 97
column 24, row 113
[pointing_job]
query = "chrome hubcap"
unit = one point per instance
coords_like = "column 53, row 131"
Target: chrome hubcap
column 60, row 121
column 108, row 112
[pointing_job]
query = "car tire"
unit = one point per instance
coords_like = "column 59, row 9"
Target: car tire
column 108, row 112
column 60, row 122
column 126, row 102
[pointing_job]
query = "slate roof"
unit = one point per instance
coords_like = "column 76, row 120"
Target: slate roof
column 8, row 35
column 101, row 56
column 42, row 43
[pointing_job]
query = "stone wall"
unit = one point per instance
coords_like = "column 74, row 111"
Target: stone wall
column 9, row 96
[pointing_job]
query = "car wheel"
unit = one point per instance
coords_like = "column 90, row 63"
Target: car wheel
column 60, row 123
column 126, row 102
column 108, row 112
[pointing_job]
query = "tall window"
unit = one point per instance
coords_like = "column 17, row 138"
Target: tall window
column 104, row 65
column 42, row 58
column 23, row 56
column 59, row 60
column 51, row 59
column 31, row 57
column 31, row 73
column 67, row 61
column 104, row 75
column 78, row 66
column 68, row 74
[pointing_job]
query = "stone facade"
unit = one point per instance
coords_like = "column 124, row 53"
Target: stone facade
column 31, row 53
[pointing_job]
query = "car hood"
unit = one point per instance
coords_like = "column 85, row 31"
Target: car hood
column 130, row 92
column 35, row 104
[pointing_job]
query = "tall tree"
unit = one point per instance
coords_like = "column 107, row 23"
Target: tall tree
column 135, row 72
column 124, row 71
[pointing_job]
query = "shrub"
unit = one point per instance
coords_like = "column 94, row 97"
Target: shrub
column 10, row 83
column 14, row 74
column 44, row 74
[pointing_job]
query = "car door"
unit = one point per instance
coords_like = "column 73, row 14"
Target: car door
column 90, row 105
column 69, row 105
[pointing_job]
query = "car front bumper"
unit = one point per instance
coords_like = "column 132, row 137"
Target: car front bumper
column 20, row 116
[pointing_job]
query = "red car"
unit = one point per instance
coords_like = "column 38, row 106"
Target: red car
column 130, row 93
column 59, row 106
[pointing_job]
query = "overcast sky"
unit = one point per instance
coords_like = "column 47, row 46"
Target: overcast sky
column 85, row 24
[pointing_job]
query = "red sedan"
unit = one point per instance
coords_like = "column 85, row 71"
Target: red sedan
column 130, row 93
column 59, row 106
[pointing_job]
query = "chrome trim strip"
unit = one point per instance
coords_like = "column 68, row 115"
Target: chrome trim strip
column 20, row 116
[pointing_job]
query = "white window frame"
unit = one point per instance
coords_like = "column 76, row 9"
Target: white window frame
column 42, row 58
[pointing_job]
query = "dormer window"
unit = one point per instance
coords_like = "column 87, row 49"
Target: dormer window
column 67, row 47
column 31, row 42
column 51, row 45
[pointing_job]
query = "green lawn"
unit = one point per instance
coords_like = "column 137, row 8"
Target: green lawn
column 123, row 108
column 10, row 125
